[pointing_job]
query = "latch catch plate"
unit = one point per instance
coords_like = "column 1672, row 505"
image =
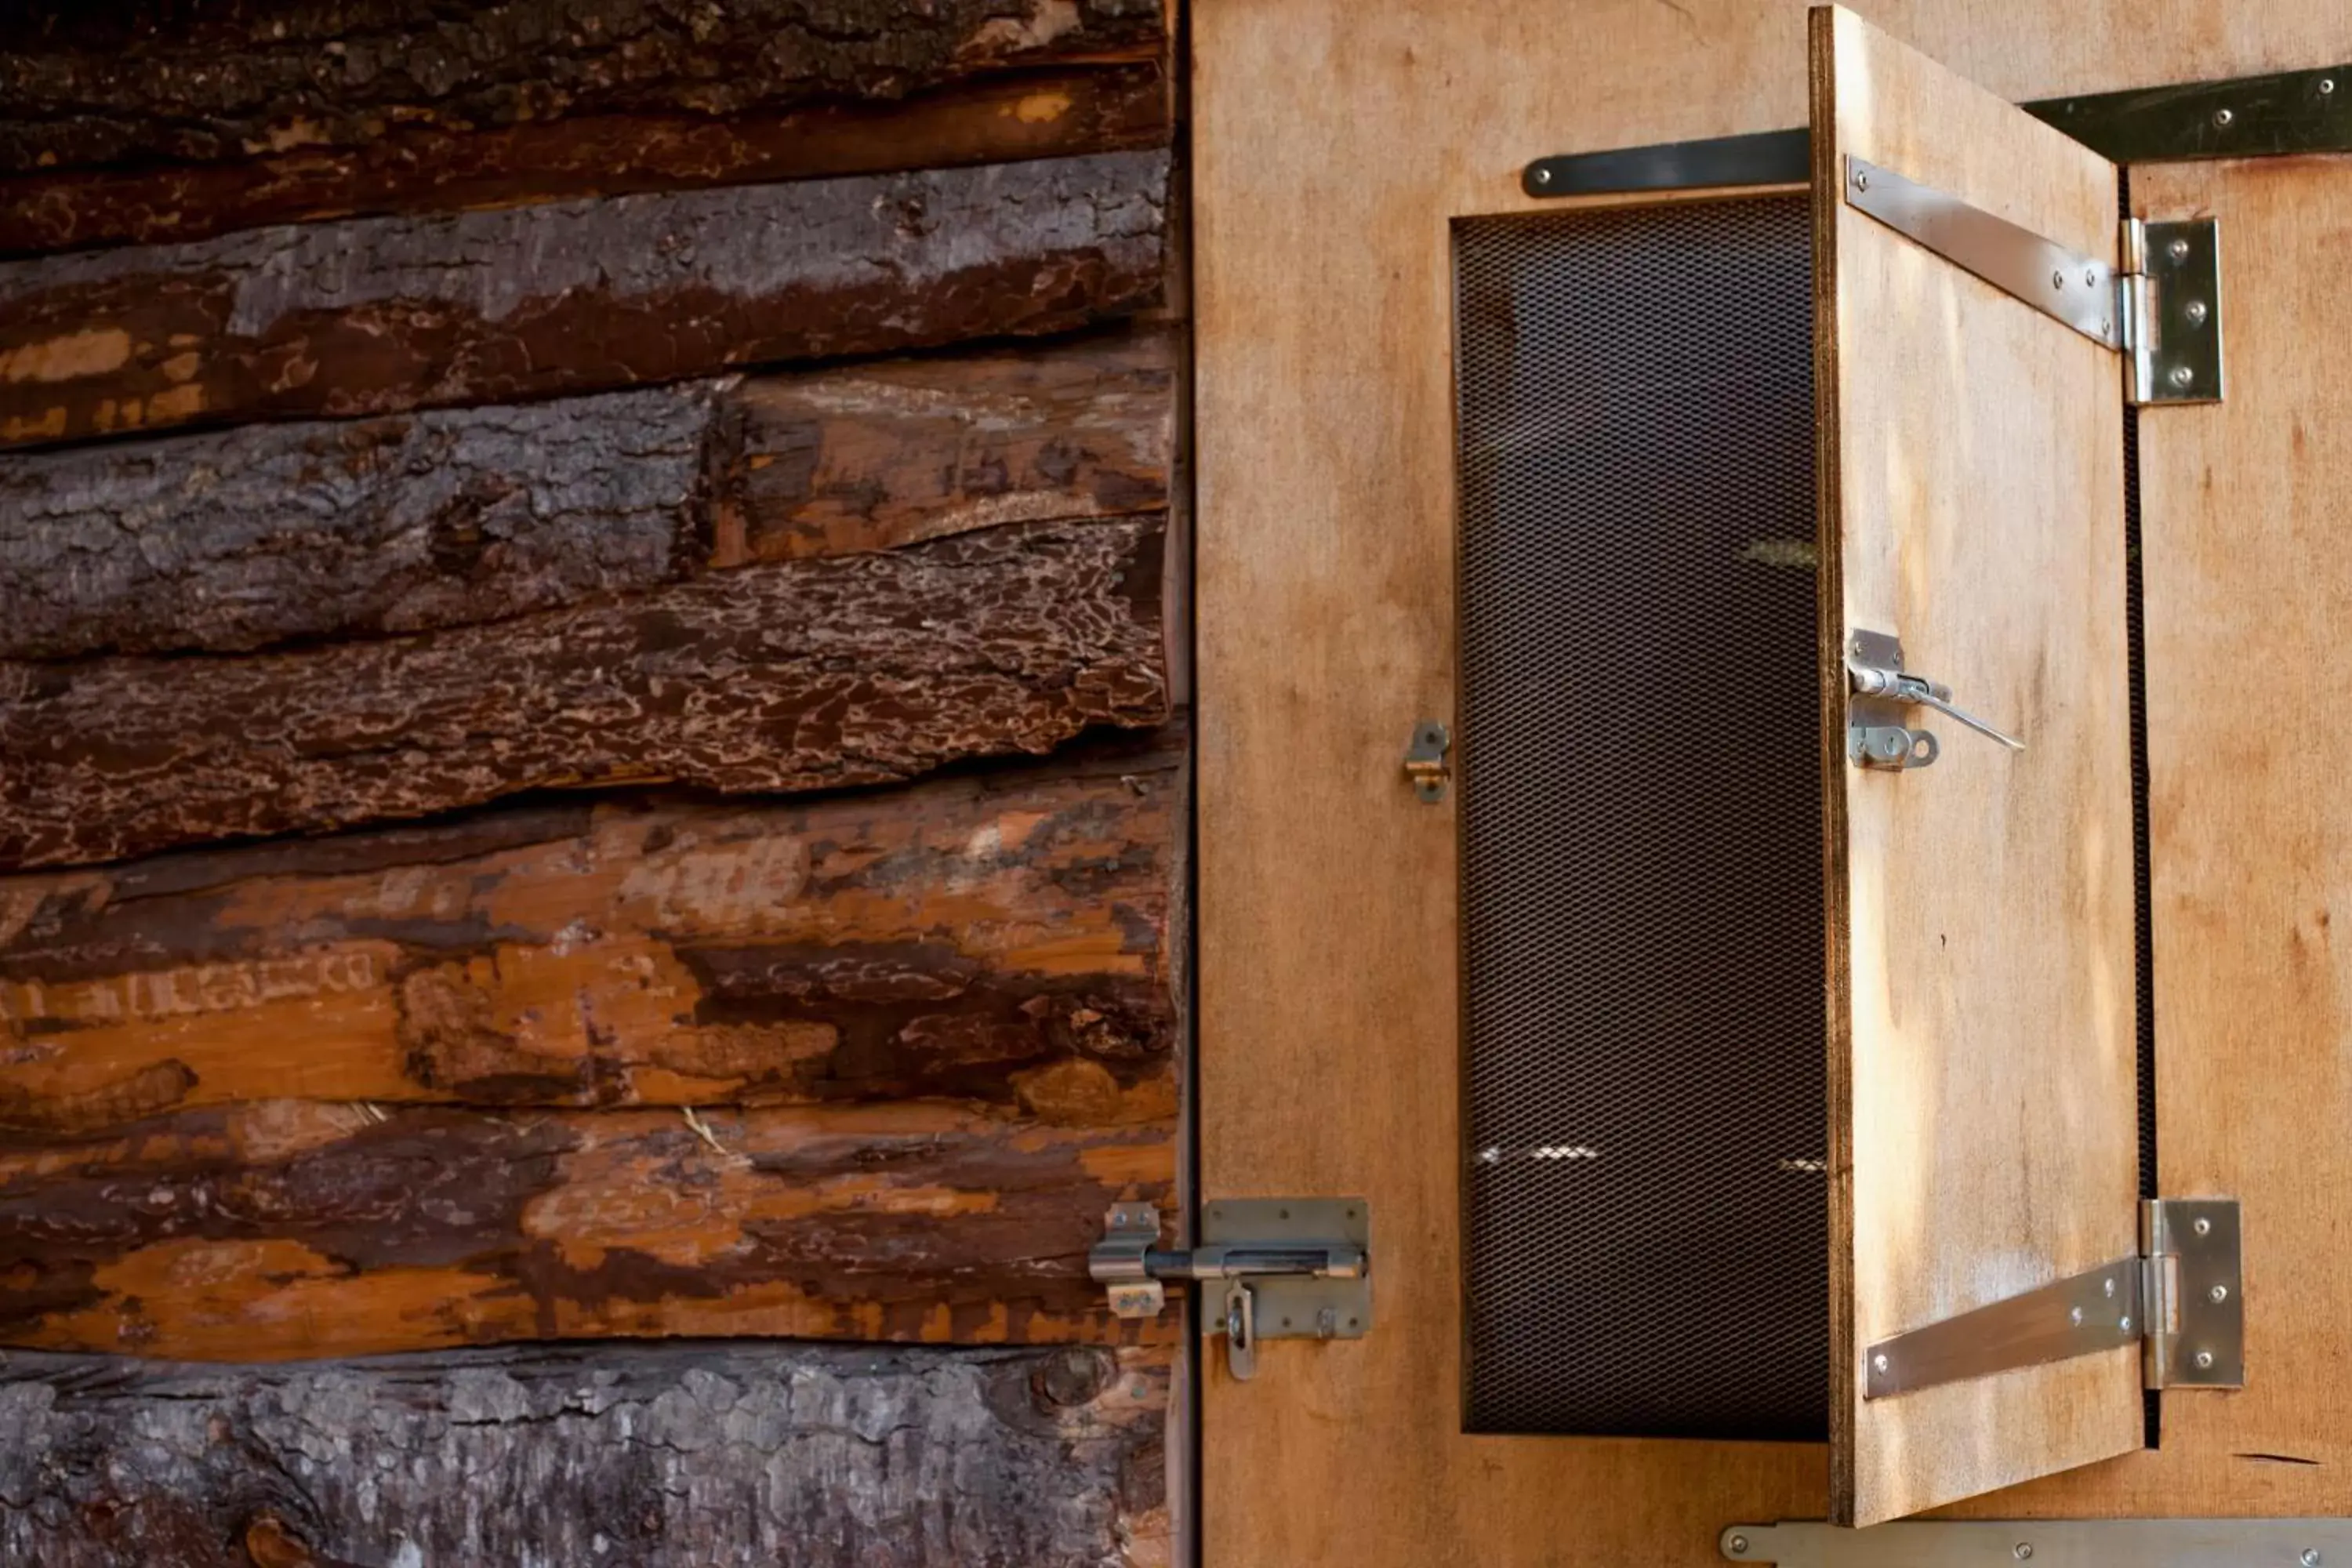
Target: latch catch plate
column 1424, row 760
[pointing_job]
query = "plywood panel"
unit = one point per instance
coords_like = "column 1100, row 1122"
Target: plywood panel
column 1334, row 140
column 1983, row 1125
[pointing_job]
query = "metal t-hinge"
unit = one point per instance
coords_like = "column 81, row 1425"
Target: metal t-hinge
column 1291, row 1268
column 2160, row 309
column 2181, row 1301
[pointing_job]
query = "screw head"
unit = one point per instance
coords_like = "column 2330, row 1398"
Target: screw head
column 2182, row 375
column 2219, row 1294
column 2204, row 1359
column 2022, row 1551
column 2326, row 85
column 2107, row 1289
column 1739, row 1544
column 2075, row 1316
column 2195, row 311
column 2203, row 1227
column 2178, row 250
column 2310, row 1557
column 1543, row 176
column 2124, row 1324
column 2057, row 280
column 1862, row 179
column 2223, row 118
column 1878, row 1363
column 2090, row 277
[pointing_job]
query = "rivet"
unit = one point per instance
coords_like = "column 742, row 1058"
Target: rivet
column 2195, row 311
column 2182, row 375
column 2222, row 116
column 2075, row 1316
column 1878, row 1363
column 2057, row 280
column 2203, row 1227
column 1543, row 175
column 2204, row 1360
column 1739, row 1544
column 2178, row 250
column 2219, row 1294
column 2022, row 1551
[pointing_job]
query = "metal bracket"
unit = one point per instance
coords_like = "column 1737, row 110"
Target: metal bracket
column 2161, row 310
column 1880, row 689
column 1293, row 1268
column 2179, row 1301
column 1424, row 760
column 2046, row 1543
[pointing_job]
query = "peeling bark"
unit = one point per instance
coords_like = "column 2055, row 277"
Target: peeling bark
column 102, row 81
column 638, row 1456
column 807, row 674
column 282, row 1230
column 428, row 168
column 231, row 541
column 1001, row 937
column 381, row 315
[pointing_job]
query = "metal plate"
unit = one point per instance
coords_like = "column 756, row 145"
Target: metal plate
column 2065, row 285
column 2205, row 1346
column 1647, row 1217
column 2048, row 1543
column 2180, row 358
column 1293, row 1308
column 1761, row 158
column 2096, row 1310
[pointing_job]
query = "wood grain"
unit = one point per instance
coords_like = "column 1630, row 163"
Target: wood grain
column 1983, row 1120
column 433, row 168
column 1324, row 448
column 231, row 541
column 277, row 1230
column 800, row 676
column 116, row 82
column 653, row 1456
column 1002, row 938
column 378, row 315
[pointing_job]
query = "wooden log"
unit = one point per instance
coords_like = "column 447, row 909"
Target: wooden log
column 647, row 1455
column 88, row 83
column 377, row 315
column 230, row 541
column 1001, row 937
column 429, row 168
column 806, row 675
column 280, row 1230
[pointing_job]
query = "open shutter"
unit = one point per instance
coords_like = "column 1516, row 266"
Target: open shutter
column 1982, row 1117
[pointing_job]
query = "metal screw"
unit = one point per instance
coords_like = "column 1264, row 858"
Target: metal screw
column 1862, row 179
column 2090, row 277
column 2075, row 1316
column 2182, row 375
column 2310, row 1558
column 2203, row 1227
column 2178, row 250
column 2195, row 311
column 2204, row 1360
column 2326, row 85
column 2106, row 327
column 1543, row 176
column 1739, row 1544
column 2219, row 1294
column 1878, row 1363
column 2124, row 1324
column 2057, row 280
column 2023, row 1550
column 2222, row 116
column 2107, row 1288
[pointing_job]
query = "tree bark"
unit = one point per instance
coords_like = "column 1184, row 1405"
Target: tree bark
column 282, row 1229
column 380, row 315
column 998, row 938
column 232, row 540
column 429, row 168
column 806, row 675
column 110, row 81
column 638, row 1456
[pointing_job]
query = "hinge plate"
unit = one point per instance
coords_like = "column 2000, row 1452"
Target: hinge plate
column 2173, row 300
column 2044, row 1543
column 2179, row 1300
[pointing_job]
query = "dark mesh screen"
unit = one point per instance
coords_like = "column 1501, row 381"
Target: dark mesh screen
column 1646, row 1209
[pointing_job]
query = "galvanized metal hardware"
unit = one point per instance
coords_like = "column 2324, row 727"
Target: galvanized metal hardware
column 1292, row 1268
column 1881, row 689
column 2046, row 1543
column 1424, row 760
column 2295, row 111
column 2161, row 309
column 2181, row 1301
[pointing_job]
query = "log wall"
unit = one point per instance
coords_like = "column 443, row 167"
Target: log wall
column 591, row 789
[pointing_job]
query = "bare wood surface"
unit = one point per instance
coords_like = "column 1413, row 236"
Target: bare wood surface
column 235, row 540
column 112, row 81
column 378, row 315
column 653, row 1456
column 1983, row 1121
column 279, row 1230
column 801, row 676
column 430, row 167
column 1001, row 937
column 1324, row 448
